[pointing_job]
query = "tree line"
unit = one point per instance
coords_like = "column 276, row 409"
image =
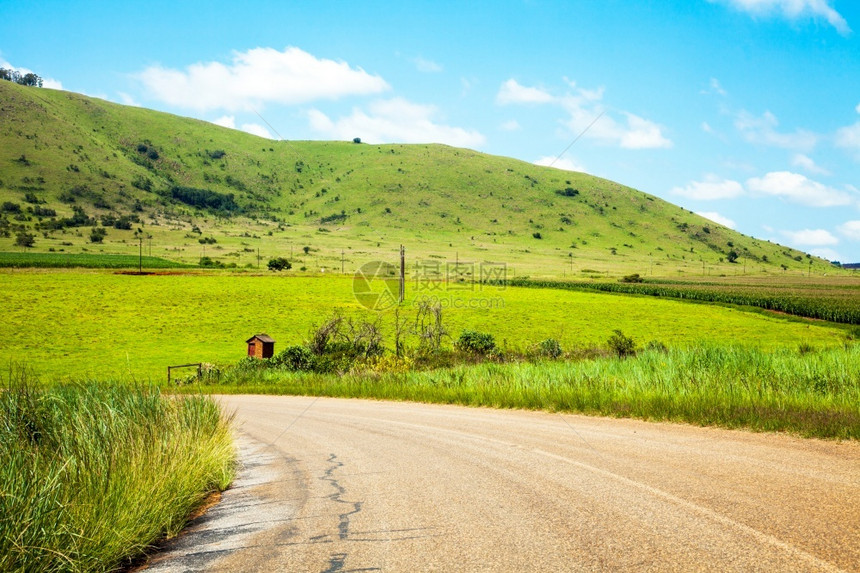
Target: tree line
column 28, row 79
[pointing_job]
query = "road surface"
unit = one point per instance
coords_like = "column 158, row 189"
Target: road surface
column 348, row 485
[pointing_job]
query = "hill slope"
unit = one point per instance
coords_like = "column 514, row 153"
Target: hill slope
column 69, row 164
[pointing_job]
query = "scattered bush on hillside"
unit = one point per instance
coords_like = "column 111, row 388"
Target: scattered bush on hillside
column 334, row 218
column 216, row 154
column 204, row 198
column 10, row 207
column 24, row 239
column 142, row 183
column 98, row 234
column 279, row 264
column 732, row 257
column 567, row 192
column 634, row 278
column 29, row 79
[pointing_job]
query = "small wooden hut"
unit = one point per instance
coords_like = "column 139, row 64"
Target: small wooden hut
column 261, row 346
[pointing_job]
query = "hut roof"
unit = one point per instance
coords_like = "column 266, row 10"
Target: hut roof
column 261, row 338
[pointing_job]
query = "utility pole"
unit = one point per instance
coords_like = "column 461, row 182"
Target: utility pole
column 258, row 258
column 341, row 260
column 402, row 274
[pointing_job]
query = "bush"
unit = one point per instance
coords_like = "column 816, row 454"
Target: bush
column 98, row 234
column 295, row 358
column 621, row 345
column 549, row 348
column 24, row 239
column 279, row 264
column 634, row 278
column 473, row 342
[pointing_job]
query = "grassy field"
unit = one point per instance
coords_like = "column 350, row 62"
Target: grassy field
column 95, row 324
column 811, row 393
column 92, row 475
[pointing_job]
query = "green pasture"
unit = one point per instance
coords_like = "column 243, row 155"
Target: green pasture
column 100, row 325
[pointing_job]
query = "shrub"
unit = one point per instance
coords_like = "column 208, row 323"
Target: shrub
column 567, row 192
column 24, row 239
column 621, row 345
column 537, row 235
column 634, row 278
column 473, row 342
column 549, row 348
column 98, row 234
column 279, row 264
column 732, row 256
column 10, row 207
column 295, row 358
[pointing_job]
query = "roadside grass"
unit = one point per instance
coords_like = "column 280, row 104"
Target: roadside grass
column 810, row 393
column 93, row 474
column 107, row 326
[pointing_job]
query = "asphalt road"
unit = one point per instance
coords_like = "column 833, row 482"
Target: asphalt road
column 347, row 485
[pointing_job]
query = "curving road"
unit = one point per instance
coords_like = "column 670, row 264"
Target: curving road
column 347, row 485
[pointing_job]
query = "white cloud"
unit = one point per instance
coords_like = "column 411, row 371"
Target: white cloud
column 711, row 189
column 717, row 88
column 706, row 127
column 228, row 121
column 589, row 117
column 426, row 66
column 49, row 83
column 126, row 99
column 828, row 254
column 256, row 77
column 798, row 189
column 808, row 164
column 849, row 138
column 857, row 109
column 762, row 131
column 811, row 237
column 512, row 92
column 256, row 129
column 510, row 125
column 717, row 218
column 793, row 10
column 395, row 120
column 850, row 230
column 563, row 163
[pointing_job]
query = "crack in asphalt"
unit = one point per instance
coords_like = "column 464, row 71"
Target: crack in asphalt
column 337, row 561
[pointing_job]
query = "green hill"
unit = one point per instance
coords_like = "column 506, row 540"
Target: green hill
column 70, row 164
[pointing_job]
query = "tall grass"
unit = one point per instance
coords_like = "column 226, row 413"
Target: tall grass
column 91, row 475
column 811, row 393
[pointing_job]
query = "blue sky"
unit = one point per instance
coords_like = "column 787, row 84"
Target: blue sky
column 747, row 111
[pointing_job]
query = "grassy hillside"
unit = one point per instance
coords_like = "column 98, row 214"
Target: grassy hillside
column 70, row 164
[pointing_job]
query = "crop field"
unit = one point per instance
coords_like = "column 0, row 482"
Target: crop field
column 833, row 299
column 84, row 260
column 95, row 324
